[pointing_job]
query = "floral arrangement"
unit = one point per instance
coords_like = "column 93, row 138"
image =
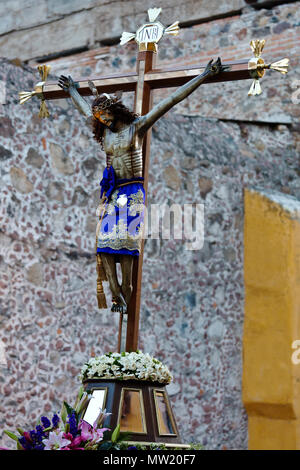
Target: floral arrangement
column 126, row 366
column 69, row 431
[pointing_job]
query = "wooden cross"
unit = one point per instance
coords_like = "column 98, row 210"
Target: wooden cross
column 143, row 82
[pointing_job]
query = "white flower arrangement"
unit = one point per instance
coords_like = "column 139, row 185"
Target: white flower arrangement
column 126, row 366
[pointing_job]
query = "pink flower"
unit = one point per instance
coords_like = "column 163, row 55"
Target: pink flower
column 90, row 433
column 75, row 442
column 55, row 441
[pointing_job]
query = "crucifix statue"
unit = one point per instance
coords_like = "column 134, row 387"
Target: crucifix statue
column 121, row 211
column 124, row 135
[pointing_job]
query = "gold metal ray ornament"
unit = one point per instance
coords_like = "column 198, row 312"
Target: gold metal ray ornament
column 38, row 91
column 148, row 35
column 257, row 66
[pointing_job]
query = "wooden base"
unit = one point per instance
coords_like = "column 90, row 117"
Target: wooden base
column 141, row 408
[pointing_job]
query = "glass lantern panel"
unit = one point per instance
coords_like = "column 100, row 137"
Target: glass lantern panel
column 164, row 417
column 97, row 402
column 132, row 414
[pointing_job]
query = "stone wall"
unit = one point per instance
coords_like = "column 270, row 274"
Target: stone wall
column 30, row 29
column 192, row 301
column 228, row 38
column 69, row 24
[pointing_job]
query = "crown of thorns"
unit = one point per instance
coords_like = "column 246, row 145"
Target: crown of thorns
column 106, row 103
column 108, row 100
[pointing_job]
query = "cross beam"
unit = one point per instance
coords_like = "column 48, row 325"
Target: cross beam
column 155, row 78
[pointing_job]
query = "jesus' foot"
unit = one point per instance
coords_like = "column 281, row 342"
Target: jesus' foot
column 119, row 304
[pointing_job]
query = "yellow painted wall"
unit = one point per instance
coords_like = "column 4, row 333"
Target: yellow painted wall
column 271, row 382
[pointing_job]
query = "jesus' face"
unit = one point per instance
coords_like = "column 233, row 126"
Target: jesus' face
column 105, row 116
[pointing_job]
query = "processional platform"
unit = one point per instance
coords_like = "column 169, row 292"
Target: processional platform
column 142, row 409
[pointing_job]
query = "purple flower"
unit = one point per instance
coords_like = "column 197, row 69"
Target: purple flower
column 32, row 440
column 39, row 429
column 25, row 443
column 55, row 420
column 45, row 422
column 39, row 447
column 38, row 435
column 73, row 424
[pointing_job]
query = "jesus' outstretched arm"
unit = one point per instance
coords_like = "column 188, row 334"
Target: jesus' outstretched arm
column 67, row 84
column 147, row 121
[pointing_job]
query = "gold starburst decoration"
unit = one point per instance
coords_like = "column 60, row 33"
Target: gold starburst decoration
column 257, row 66
column 148, row 35
column 38, row 91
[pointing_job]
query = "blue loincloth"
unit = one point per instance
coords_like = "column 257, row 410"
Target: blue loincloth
column 122, row 222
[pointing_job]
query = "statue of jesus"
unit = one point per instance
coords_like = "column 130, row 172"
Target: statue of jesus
column 120, row 133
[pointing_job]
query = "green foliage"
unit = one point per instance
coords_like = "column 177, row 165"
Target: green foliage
column 114, row 440
column 106, row 445
column 20, row 431
column 19, row 447
column 63, row 413
column 152, row 446
column 116, row 434
column 69, row 409
column 12, row 435
column 195, row 446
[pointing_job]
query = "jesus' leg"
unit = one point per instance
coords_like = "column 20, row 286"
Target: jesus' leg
column 126, row 262
column 109, row 264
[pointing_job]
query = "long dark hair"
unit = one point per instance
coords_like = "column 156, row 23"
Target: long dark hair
column 120, row 112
